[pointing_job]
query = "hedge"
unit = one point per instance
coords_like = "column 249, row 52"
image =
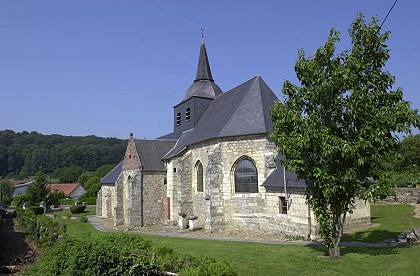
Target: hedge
column 77, row 209
column 122, row 254
column 44, row 231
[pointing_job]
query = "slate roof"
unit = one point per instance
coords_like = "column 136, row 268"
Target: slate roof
column 244, row 110
column 276, row 178
column 111, row 177
column 151, row 153
column 203, row 85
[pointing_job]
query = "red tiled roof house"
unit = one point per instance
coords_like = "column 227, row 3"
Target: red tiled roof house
column 73, row 190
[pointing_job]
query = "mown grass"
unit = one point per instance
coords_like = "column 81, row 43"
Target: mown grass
column 273, row 259
column 67, row 213
column 392, row 219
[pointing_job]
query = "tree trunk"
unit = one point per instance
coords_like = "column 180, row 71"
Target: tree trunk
column 337, row 233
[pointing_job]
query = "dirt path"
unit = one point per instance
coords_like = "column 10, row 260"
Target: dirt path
column 416, row 209
column 15, row 251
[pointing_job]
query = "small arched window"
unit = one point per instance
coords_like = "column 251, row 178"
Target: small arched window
column 178, row 119
column 188, row 114
column 199, row 169
column 246, row 177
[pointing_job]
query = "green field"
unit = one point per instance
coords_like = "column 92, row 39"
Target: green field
column 273, row 259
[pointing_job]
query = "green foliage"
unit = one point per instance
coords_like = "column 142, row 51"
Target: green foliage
column 122, row 254
column 7, row 200
column 55, row 197
column 403, row 166
column 38, row 210
column 291, row 259
column 40, row 229
column 103, row 170
column 67, row 201
column 88, row 200
column 83, row 219
column 83, row 178
column 19, row 199
column 37, row 191
column 92, row 187
column 6, row 191
column 68, row 174
column 335, row 127
column 26, row 152
column 77, row 209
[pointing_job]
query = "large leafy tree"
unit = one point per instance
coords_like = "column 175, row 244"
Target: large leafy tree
column 37, row 191
column 337, row 124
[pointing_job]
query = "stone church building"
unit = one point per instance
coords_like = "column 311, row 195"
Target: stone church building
column 218, row 167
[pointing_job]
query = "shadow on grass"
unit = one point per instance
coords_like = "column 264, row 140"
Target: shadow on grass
column 373, row 251
column 377, row 235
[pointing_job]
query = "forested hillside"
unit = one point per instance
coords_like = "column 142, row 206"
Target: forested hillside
column 23, row 154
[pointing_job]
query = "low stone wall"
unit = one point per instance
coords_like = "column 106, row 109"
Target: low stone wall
column 404, row 195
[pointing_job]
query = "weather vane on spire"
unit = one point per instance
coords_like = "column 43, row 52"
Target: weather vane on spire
column 202, row 34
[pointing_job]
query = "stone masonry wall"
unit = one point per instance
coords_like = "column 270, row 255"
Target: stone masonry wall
column 184, row 196
column 154, row 198
column 405, row 195
column 219, row 207
column 106, row 201
column 99, row 203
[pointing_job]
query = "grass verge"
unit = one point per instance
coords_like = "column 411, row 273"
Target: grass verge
column 272, row 259
column 392, row 219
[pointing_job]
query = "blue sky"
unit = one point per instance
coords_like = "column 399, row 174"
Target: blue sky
column 108, row 68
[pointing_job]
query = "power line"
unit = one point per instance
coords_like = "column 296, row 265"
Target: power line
column 388, row 13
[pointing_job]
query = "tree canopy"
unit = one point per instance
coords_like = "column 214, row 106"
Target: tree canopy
column 23, row 154
column 335, row 126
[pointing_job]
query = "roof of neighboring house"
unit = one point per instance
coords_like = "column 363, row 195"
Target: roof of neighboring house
column 276, row 178
column 151, row 153
column 66, row 188
column 112, row 176
column 15, row 182
column 244, row 110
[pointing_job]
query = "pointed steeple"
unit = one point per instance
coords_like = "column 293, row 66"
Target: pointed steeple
column 203, row 85
column 203, row 69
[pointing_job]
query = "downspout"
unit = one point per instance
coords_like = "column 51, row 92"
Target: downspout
column 285, row 188
column 309, row 222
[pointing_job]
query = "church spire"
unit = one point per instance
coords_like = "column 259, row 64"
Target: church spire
column 203, row 68
column 203, row 85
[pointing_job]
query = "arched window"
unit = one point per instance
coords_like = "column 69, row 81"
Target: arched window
column 246, row 177
column 199, row 169
column 188, row 114
column 178, row 119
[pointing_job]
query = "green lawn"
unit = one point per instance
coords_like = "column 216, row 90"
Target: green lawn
column 67, row 213
column 268, row 259
column 391, row 219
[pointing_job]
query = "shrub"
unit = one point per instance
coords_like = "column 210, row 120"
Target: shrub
column 19, row 199
column 83, row 219
column 89, row 200
column 7, row 200
column 67, row 201
column 38, row 210
column 77, row 209
column 122, row 254
column 42, row 230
